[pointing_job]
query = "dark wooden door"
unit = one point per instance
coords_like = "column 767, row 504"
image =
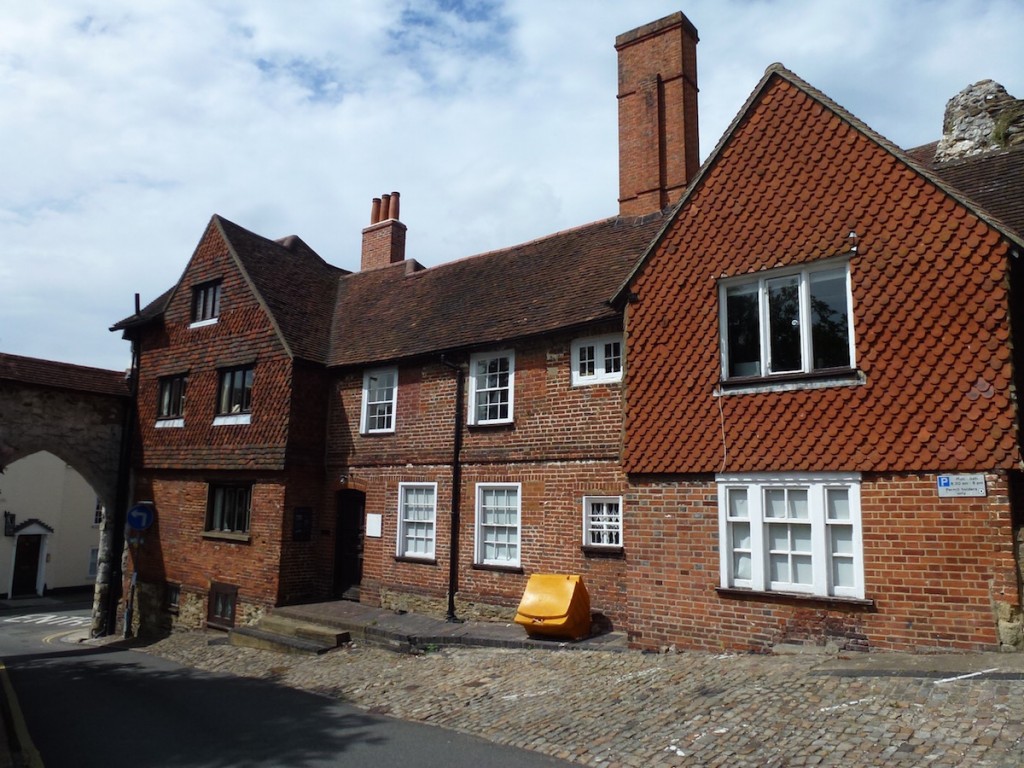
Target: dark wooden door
column 348, row 544
column 26, row 565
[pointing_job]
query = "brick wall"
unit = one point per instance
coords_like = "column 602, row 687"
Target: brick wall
column 563, row 445
column 553, row 419
column 551, row 535
column 938, row 570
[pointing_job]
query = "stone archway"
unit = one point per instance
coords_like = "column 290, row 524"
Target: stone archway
column 78, row 414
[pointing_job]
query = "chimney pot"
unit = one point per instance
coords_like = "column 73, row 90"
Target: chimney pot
column 384, row 239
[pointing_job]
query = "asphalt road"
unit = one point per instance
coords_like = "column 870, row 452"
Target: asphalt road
column 90, row 705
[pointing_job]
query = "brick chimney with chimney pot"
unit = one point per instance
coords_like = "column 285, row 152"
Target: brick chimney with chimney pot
column 384, row 239
column 658, row 151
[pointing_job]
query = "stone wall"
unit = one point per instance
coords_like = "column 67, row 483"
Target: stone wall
column 981, row 118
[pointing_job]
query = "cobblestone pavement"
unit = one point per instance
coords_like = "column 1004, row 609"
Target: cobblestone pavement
column 602, row 708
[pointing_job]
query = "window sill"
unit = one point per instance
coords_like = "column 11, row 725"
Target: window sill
column 615, row 553
column 497, row 568
column 850, row 377
column 203, row 323
column 593, row 381
column 800, row 597
column 509, row 424
column 415, row 560
column 232, row 418
column 167, row 423
column 240, row 538
column 376, row 432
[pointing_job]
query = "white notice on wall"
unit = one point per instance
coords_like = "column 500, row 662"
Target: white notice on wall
column 373, row 525
column 962, row 485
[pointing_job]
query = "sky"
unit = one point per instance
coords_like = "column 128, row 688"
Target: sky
column 125, row 126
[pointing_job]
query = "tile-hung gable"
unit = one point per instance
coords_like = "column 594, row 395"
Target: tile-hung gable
column 798, row 188
column 290, row 281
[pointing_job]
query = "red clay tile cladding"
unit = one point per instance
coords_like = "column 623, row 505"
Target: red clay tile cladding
column 930, row 303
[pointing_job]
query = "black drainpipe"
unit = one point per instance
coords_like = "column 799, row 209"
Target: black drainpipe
column 453, row 553
column 124, row 468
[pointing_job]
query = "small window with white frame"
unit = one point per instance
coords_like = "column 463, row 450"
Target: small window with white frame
column 602, row 522
column 798, row 533
column 787, row 322
column 380, row 399
column 98, row 512
column 597, row 360
column 498, row 518
column 492, row 387
column 417, row 520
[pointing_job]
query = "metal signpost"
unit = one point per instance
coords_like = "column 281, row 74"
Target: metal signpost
column 137, row 522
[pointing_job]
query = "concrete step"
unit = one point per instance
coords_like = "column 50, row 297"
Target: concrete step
column 252, row 637
column 288, row 635
column 302, row 629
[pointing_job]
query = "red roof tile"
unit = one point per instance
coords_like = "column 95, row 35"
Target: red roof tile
column 47, row 373
column 792, row 177
column 556, row 282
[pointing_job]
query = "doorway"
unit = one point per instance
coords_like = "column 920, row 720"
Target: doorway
column 26, row 565
column 348, row 544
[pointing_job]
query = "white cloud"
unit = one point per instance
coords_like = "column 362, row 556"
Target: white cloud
column 128, row 124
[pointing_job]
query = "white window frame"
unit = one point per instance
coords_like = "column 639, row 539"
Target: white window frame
column 480, row 532
column 364, row 414
column 755, row 546
column 601, row 374
column 402, row 548
column 478, row 387
column 594, row 526
column 760, row 282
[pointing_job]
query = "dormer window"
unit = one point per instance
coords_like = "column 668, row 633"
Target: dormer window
column 205, row 303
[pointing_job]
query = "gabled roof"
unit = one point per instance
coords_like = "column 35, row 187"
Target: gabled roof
column 933, row 383
column 993, row 180
column 47, row 373
column 33, row 522
column 295, row 286
column 555, row 282
column 977, row 183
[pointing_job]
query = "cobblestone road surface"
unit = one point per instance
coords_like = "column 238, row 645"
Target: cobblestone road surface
column 690, row 709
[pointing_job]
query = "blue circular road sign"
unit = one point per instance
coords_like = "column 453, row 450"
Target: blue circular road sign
column 140, row 517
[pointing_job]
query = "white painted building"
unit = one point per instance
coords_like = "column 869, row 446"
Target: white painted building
column 51, row 521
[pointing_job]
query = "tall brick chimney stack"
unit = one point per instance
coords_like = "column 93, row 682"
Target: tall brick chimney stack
column 658, row 152
column 384, row 239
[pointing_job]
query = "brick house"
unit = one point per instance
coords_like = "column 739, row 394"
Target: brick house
column 410, row 437
column 841, row 457
column 426, row 438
